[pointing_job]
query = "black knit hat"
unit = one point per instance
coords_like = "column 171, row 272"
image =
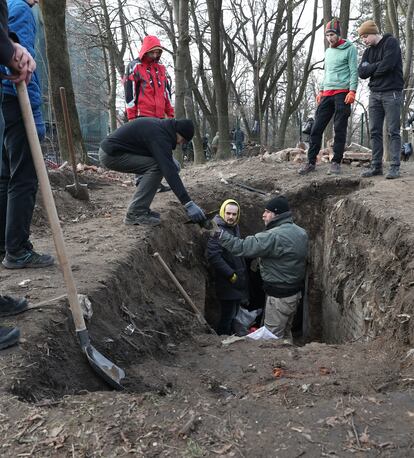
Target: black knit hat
column 278, row 205
column 185, row 128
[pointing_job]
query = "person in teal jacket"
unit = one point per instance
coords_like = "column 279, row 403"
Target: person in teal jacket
column 282, row 248
column 336, row 95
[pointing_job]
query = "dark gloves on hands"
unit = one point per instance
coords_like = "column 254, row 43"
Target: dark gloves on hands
column 194, row 212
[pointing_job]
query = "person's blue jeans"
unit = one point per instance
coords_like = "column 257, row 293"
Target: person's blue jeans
column 385, row 105
column 335, row 106
column 18, row 180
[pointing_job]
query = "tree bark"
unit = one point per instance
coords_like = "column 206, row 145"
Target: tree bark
column 217, row 63
column 53, row 12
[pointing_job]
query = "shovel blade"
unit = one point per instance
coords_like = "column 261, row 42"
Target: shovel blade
column 110, row 372
column 78, row 192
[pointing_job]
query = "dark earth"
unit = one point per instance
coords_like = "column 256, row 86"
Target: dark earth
column 186, row 394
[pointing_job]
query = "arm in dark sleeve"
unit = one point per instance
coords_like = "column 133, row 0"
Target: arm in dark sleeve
column 391, row 56
column 365, row 69
column 215, row 258
column 162, row 152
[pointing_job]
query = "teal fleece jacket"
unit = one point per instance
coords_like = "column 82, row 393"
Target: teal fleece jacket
column 341, row 68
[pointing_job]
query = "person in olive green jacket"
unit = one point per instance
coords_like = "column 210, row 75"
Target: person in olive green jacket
column 282, row 248
column 336, row 95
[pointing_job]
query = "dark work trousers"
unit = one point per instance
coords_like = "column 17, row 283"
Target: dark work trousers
column 141, row 165
column 385, row 105
column 18, row 181
column 333, row 105
column 229, row 310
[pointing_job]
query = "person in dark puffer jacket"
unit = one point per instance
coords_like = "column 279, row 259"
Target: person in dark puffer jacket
column 230, row 271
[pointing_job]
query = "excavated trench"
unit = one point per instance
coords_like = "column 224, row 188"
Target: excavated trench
column 359, row 286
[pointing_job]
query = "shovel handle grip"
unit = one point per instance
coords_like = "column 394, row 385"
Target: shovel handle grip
column 49, row 204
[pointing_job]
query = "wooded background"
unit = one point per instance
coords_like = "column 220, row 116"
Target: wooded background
column 253, row 63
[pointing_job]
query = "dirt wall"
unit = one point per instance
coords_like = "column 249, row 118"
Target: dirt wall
column 366, row 275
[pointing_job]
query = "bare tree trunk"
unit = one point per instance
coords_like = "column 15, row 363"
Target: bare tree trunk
column 217, row 62
column 392, row 18
column 408, row 63
column 377, row 13
column 112, row 93
column 344, row 17
column 181, row 18
column 53, row 12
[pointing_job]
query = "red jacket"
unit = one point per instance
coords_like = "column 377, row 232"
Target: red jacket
column 147, row 86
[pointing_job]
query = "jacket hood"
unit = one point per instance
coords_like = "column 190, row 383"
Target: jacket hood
column 345, row 45
column 223, row 208
column 149, row 42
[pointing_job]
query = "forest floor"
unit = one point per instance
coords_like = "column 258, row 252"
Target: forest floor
column 186, row 394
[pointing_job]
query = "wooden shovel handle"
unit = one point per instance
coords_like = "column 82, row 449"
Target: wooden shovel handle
column 69, row 134
column 50, row 206
column 187, row 298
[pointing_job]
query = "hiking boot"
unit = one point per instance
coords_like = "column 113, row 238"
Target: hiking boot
column 146, row 219
column 335, row 169
column 371, row 172
column 8, row 337
column 393, row 172
column 163, row 188
column 27, row 258
column 305, row 169
column 10, row 306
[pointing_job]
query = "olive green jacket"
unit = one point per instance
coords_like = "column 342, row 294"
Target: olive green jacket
column 282, row 248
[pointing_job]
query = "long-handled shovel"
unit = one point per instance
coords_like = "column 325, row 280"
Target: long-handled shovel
column 111, row 373
column 76, row 190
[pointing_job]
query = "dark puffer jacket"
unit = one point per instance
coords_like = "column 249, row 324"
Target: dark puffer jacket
column 225, row 265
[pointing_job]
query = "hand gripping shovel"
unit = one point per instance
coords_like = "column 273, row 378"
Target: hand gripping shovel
column 76, row 190
column 106, row 369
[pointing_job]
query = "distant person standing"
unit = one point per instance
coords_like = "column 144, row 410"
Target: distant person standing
column 214, row 144
column 335, row 97
column 147, row 87
column 382, row 64
column 18, row 179
column 238, row 138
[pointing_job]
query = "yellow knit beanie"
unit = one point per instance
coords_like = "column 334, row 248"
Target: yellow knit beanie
column 368, row 28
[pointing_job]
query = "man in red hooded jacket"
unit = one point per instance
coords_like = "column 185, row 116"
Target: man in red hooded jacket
column 147, row 87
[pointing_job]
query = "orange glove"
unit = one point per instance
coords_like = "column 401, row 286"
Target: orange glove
column 350, row 98
column 319, row 98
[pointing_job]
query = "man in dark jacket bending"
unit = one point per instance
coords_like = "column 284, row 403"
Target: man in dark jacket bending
column 282, row 248
column 230, row 270
column 144, row 146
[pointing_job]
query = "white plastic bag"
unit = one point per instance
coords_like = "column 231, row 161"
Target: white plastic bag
column 261, row 334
